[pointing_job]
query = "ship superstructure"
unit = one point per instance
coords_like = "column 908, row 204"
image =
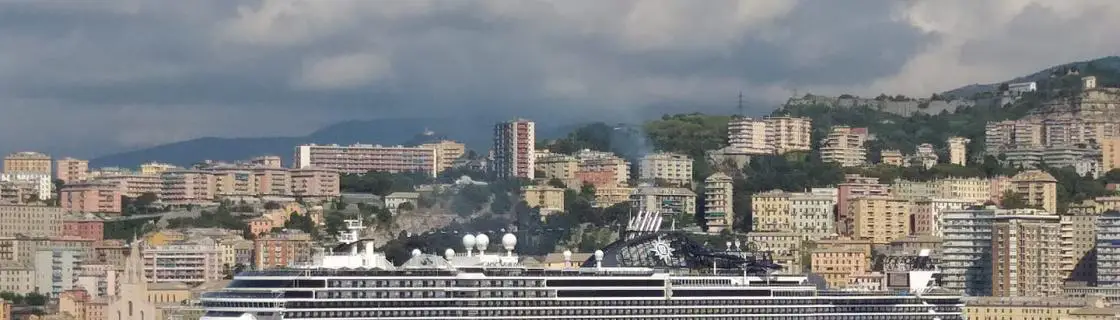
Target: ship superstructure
column 649, row 274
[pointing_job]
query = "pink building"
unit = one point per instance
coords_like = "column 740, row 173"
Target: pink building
column 85, row 227
column 315, row 183
column 271, row 181
column 90, row 197
column 188, row 187
column 71, row 170
column 855, row 186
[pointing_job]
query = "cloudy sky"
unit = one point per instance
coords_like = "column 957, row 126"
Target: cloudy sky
column 90, row 77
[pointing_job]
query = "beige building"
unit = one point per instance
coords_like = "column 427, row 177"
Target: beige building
column 674, row 201
column 1110, row 154
column 748, row 136
column 71, row 170
column 16, row 277
column 1038, row 308
column 785, row 248
column 718, row 203
column 181, row 187
column 91, row 196
column 29, row 220
column 838, row 265
column 559, row 166
column 1078, row 241
column 606, row 197
column 549, row 199
column 269, row 161
column 134, row 185
column 845, row 146
column 1038, row 188
column 447, row 152
column 770, row 211
column 958, row 150
column 191, row 261
column 1026, row 256
column 362, row 158
column 313, row 182
column 891, row 157
column 854, row 186
column 156, row 168
column 671, row 167
column 602, row 169
column 27, row 162
column 881, row 219
column 789, row 134
column 514, row 147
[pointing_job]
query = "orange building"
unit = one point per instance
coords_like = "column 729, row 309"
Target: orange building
column 71, row 170
column 281, row 249
column 599, row 179
column 313, row 182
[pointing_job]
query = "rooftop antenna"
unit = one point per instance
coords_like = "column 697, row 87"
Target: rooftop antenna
column 741, row 104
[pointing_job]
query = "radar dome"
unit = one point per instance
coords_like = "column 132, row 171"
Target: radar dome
column 449, row 253
column 599, row 255
column 247, row 316
column 415, row 252
column 567, row 255
column 482, row 241
column 509, row 241
column 469, row 241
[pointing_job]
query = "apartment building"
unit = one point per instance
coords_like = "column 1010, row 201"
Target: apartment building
column 157, row 168
column 748, row 136
column 855, row 186
column 514, row 145
column 17, row 278
column 269, row 181
column 83, row 226
column 267, row 161
column 924, row 156
column 195, row 260
column 958, row 150
column 281, row 249
column 813, row 212
column 1108, row 250
column 673, row 168
column 38, row 183
column 603, row 169
column 28, row 162
column 182, row 187
column 315, row 183
column 1078, row 240
column 71, row 170
column 879, row 218
column 785, row 248
column 674, row 201
column 838, row 265
column 30, row 220
column 56, row 269
column 967, row 247
column 559, row 166
column 789, row 134
column 770, row 211
column 1026, row 256
column 891, row 157
column 845, row 146
column 606, row 197
column 719, row 211
column 362, row 158
column 926, row 213
column 90, row 196
column 549, row 199
column 1038, row 188
column 447, row 152
column 133, row 185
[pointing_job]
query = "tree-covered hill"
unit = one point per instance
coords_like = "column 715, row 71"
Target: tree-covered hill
column 1106, row 69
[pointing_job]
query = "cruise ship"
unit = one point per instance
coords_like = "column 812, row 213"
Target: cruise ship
column 648, row 274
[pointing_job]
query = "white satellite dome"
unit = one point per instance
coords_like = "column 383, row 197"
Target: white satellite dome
column 415, row 252
column 509, row 241
column 247, row 316
column 599, row 255
column 567, row 255
column 482, row 241
column 469, row 241
column 449, row 253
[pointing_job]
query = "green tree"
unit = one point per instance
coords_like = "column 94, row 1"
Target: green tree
column 557, row 183
column 35, row 299
column 1013, row 200
column 405, row 207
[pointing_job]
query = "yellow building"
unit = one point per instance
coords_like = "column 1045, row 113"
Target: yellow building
column 718, row 209
column 890, row 157
column 27, row 162
column 771, row 211
column 958, row 150
column 164, row 237
column 968, row 189
column 1110, row 154
column 1038, row 188
column 1037, row 308
column 156, row 168
column 5, row 310
column 1026, row 256
column 838, row 265
column 559, row 166
column 881, row 219
column 671, row 167
column 606, row 197
column 845, row 146
column 548, row 199
column 447, row 152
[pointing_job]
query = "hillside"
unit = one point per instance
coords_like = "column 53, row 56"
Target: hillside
column 1107, row 70
column 474, row 132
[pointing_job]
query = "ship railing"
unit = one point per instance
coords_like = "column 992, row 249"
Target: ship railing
column 242, row 295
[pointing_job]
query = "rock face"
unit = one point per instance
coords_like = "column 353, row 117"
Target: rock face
column 1099, row 104
column 411, row 222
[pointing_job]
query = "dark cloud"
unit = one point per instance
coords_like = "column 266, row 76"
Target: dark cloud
column 127, row 73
